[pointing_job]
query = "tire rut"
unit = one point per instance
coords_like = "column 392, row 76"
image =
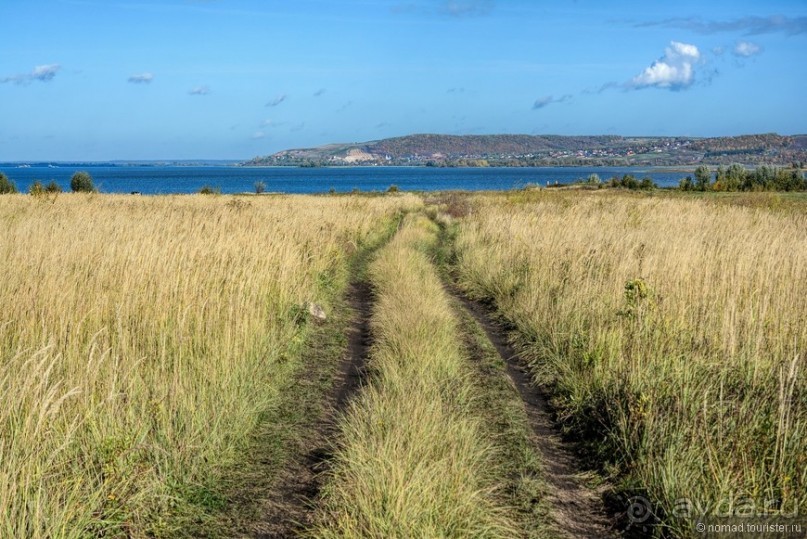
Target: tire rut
column 578, row 511
column 291, row 503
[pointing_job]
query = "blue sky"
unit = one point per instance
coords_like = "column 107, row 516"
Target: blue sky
column 231, row 79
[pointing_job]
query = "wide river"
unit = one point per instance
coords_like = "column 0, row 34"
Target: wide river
column 154, row 180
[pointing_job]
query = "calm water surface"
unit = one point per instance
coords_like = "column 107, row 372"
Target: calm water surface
column 228, row 179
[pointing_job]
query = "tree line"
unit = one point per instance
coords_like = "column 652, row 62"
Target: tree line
column 80, row 182
column 738, row 178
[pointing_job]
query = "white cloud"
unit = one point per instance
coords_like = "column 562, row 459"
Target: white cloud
column 674, row 71
column 548, row 100
column 46, row 72
column 257, row 135
column 200, row 90
column 276, row 101
column 43, row 73
column 142, row 78
column 746, row 49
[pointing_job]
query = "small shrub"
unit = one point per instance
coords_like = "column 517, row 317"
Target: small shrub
column 81, row 182
column 260, row 187
column 6, row 186
column 53, row 187
column 686, row 184
column 393, row 189
column 207, row 190
column 647, row 183
column 36, row 189
column 629, row 182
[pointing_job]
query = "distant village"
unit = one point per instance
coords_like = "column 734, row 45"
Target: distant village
column 519, row 151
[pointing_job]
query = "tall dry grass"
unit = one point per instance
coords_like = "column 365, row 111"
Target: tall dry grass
column 672, row 332
column 413, row 461
column 141, row 338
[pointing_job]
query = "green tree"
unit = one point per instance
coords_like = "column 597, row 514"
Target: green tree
column 702, row 178
column 685, row 184
column 736, row 175
column 647, row 183
column 629, row 182
column 81, row 182
column 6, row 185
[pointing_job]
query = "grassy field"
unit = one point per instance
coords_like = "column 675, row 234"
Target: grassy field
column 140, row 340
column 671, row 331
column 145, row 342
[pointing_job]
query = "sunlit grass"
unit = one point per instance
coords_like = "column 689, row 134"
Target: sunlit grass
column 413, row 461
column 140, row 339
column 671, row 331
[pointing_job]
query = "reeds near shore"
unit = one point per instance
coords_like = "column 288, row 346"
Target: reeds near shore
column 140, row 340
column 671, row 332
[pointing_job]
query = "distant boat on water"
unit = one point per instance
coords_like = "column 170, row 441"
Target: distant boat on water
column 24, row 166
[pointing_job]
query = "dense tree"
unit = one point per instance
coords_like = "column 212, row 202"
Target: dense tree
column 702, row 178
column 81, row 182
column 6, row 185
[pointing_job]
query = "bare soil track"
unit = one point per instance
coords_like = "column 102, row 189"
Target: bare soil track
column 288, row 506
column 578, row 510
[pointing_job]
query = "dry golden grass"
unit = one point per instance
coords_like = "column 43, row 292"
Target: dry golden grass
column 672, row 331
column 413, row 460
column 140, row 338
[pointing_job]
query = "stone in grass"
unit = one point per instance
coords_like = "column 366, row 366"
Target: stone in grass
column 317, row 313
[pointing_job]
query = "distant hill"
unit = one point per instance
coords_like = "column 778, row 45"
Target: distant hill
column 548, row 150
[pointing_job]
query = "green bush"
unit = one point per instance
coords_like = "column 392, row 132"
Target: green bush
column 260, row 187
column 207, row 190
column 6, row 185
column 53, row 187
column 647, row 183
column 393, row 189
column 81, row 182
column 686, row 184
column 36, row 189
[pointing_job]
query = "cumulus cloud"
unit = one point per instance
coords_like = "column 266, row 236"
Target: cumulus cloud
column 746, row 25
column 547, row 100
column 746, row 49
column 277, row 100
column 142, row 78
column 673, row 71
column 200, row 90
column 43, row 73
